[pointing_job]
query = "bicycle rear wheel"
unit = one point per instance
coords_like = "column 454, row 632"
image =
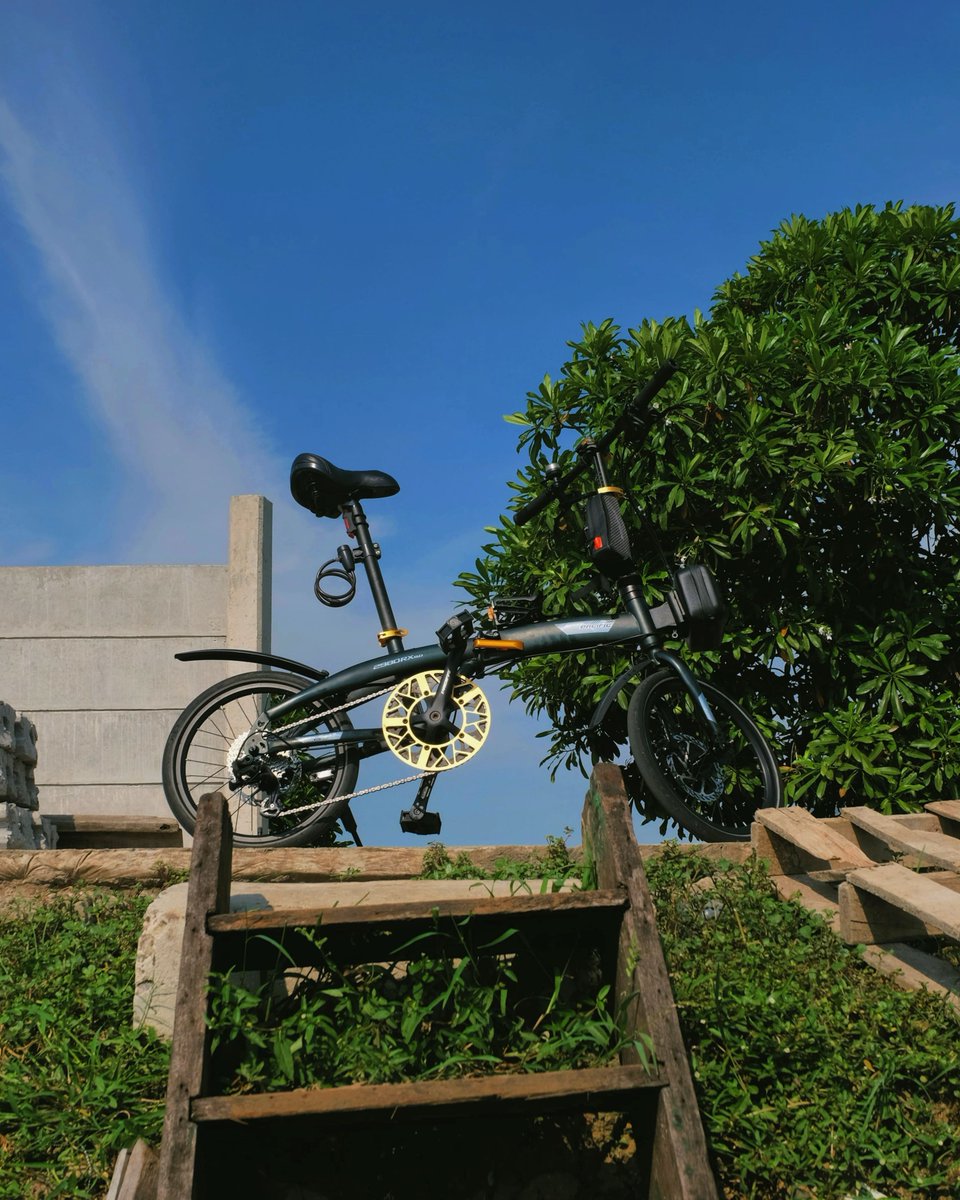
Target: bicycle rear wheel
column 711, row 791
column 204, row 753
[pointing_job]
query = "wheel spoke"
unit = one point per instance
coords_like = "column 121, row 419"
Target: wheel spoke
column 201, row 756
column 712, row 791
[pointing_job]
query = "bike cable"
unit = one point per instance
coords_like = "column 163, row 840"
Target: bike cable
column 338, row 571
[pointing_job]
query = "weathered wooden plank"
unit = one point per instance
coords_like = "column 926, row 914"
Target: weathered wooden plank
column 909, row 820
column 114, row 823
column 602, row 1089
column 557, row 923
column 360, row 916
column 913, row 969
column 116, row 1179
column 921, row 898
column 873, row 847
column 135, row 1174
column 110, row 868
column 680, row 1168
column 868, row 920
column 932, row 847
column 794, row 842
column 947, row 879
column 947, row 813
column 816, row 894
column 209, row 892
column 110, row 832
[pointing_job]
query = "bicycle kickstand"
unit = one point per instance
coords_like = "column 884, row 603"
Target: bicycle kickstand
column 349, row 823
column 416, row 819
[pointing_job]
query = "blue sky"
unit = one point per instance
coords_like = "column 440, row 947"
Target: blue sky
column 230, row 232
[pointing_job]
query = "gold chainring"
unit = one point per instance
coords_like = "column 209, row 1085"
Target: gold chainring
column 470, row 712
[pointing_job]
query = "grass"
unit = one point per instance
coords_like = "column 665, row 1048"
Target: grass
column 456, row 1009
column 554, row 866
column 816, row 1077
column 77, row 1082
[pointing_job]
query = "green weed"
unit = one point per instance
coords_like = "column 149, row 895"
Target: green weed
column 815, row 1075
column 453, row 1011
column 555, row 865
column 77, row 1082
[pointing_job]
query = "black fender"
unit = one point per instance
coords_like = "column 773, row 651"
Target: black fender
column 608, row 697
column 254, row 656
column 663, row 658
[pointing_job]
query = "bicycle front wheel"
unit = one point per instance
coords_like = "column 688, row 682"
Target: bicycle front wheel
column 710, row 790
column 287, row 796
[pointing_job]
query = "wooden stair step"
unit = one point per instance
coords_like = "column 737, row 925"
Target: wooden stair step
column 818, row 895
column 382, row 932
column 913, row 969
column 600, row 1089
column 794, row 841
column 889, row 903
column 516, row 907
column 379, row 931
column 932, row 848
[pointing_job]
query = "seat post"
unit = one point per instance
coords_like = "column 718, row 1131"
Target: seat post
column 389, row 636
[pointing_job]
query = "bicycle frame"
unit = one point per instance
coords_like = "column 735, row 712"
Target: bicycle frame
column 638, row 624
column 566, row 634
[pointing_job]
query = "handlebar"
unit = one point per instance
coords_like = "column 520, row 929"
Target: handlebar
column 636, row 408
column 529, row 510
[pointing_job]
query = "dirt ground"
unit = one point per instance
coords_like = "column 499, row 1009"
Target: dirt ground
column 11, row 893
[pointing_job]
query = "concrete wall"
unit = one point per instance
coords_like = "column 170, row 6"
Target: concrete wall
column 88, row 652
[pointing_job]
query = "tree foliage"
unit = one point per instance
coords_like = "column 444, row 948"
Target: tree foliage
column 807, row 451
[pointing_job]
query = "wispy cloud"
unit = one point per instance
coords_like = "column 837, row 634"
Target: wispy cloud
column 183, row 437
column 186, row 441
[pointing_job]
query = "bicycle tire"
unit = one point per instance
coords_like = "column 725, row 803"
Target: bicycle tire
column 711, row 794
column 197, row 760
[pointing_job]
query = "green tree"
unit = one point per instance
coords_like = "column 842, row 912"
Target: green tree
column 807, row 451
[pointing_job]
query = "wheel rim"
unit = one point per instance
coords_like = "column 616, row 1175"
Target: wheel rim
column 723, row 787
column 258, row 806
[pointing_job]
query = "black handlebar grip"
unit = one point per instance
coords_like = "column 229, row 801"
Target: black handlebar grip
column 532, row 507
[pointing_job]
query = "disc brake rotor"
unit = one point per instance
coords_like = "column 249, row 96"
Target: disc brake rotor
column 699, row 776
column 470, row 712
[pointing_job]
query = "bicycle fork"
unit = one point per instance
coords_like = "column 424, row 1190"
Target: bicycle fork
column 653, row 652
column 702, row 707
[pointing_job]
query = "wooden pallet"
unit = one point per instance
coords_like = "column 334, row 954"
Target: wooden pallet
column 616, row 917
column 882, row 880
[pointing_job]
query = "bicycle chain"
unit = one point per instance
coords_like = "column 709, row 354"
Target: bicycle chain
column 379, row 787
column 330, row 711
column 338, row 800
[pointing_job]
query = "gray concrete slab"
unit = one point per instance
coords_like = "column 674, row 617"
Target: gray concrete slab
column 116, row 601
column 89, row 652
column 103, row 747
column 100, row 799
column 94, row 673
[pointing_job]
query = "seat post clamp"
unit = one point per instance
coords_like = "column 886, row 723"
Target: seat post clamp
column 385, row 635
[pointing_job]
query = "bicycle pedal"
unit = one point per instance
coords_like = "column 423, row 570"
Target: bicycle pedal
column 423, row 823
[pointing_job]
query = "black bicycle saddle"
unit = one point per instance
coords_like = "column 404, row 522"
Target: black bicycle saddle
column 323, row 488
